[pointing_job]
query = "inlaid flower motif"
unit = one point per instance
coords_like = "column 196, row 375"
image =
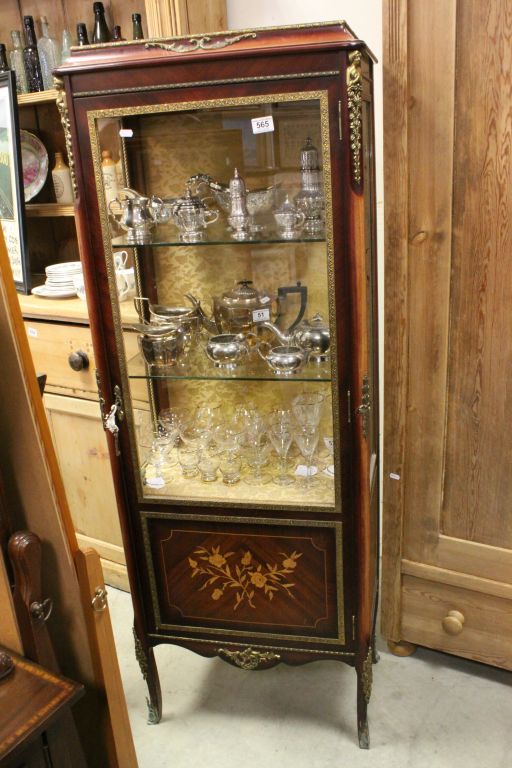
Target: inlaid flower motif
column 217, row 560
column 258, row 579
column 246, row 559
column 241, row 577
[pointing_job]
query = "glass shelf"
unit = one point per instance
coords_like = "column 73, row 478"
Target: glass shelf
column 170, row 240
column 197, row 367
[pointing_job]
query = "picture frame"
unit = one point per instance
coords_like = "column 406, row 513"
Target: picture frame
column 12, row 200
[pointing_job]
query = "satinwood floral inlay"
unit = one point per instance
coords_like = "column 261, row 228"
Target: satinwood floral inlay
column 245, row 574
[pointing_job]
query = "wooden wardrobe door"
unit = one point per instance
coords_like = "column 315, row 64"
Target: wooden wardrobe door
column 448, row 442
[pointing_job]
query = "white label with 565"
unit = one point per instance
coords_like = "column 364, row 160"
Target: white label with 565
column 262, row 124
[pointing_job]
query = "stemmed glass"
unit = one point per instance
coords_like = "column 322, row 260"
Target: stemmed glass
column 258, row 447
column 281, row 435
column 307, row 408
column 306, row 437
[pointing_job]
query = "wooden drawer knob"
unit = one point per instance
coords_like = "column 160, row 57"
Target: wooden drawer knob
column 453, row 623
column 78, row 361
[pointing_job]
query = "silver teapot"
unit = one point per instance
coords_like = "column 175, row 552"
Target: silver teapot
column 136, row 214
column 313, row 335
column 191, row 215
column 243, row 308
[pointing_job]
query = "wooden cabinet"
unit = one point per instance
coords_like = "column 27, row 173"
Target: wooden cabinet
column 56, row 333
column 447, row 482
column 252, row 159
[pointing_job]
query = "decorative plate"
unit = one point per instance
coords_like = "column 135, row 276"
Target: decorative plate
column 34, row 159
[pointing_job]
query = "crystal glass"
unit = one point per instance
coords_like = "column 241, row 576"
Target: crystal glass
column 257, row 451
column 328, row 442
column 230, row 467
column 17, row 64
column 188, row 459
column 157, row 469
column 281, row 435
column 306, row 437
column 209, row 414
column 209, row 462
column 171, row 419
column 49, row 54
column 307, row 408
column 195, row 434
column 228, row 437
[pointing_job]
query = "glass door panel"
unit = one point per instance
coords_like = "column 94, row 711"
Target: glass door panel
column 222, row 212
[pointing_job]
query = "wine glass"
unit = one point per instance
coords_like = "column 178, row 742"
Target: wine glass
column 228, row 437
column 257, row 449
column 306, row 437
column 307, row 408
column 281, row 435
column 170, row 419
column 156, row 470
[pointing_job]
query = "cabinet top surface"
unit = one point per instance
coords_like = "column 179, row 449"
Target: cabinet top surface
column 225, row 44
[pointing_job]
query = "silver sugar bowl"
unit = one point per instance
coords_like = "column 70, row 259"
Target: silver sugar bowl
column 227, row 350
column 288, row 219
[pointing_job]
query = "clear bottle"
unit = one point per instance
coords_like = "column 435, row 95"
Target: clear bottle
column 17, row 64
column 101, row 32
column 4, row 66
column 138, row 34
column 67, row 42
column 109, row 173
column 81, row 34
column 49, row 54
column 31, row 57
column 62, row 181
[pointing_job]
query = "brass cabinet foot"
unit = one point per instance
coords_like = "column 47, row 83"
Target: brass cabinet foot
column 402, row 648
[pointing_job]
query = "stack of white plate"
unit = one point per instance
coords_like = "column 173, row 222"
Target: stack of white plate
column 59, row 281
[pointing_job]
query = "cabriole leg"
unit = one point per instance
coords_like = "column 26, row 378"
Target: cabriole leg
column 146, row 658
column 364, row 690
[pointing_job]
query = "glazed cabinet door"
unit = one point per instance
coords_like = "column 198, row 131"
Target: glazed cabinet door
column 226, row 211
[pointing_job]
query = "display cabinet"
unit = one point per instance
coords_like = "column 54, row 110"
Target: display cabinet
column 247, row 473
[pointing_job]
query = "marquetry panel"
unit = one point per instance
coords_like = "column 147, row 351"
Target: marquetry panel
column 245, row 578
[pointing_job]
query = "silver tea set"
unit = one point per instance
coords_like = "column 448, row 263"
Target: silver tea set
column 241, row 319
column 138, row 214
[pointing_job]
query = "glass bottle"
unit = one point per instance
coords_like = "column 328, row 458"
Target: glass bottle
column 116, row 35
column 67, row 42
column 31, row 57
column 49, row 54
column 62, row 181
column 16, row 58
column 138, row 34
column 4, row 66
column 81, row 34
column 101, row 32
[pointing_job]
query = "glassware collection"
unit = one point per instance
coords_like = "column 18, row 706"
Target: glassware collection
column 236, row 447
column 34, row 62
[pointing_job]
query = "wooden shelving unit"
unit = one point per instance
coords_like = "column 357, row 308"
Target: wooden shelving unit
column 40, row 97
column 49, row 209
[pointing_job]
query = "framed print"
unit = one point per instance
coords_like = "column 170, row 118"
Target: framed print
column 12, row 204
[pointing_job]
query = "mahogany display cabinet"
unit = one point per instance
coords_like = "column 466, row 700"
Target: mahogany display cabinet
column 243, row 428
